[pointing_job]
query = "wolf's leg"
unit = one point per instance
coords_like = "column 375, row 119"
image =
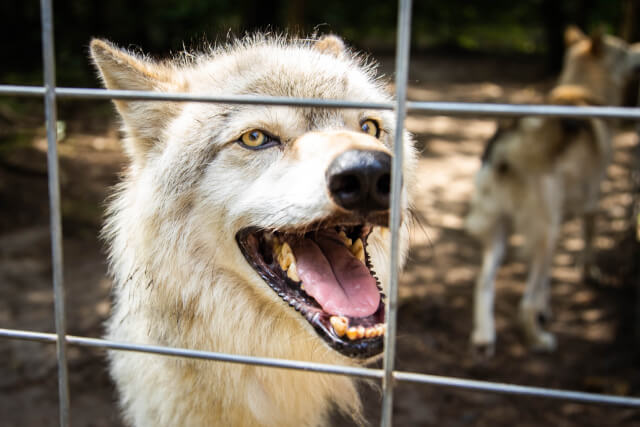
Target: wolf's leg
column 484, row 335
column 587, row 259
column 534, row 306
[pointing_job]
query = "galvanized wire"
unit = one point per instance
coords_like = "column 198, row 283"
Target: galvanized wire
column 54, row 206
column 476, row 109
column 411, row 377
column 402, row 76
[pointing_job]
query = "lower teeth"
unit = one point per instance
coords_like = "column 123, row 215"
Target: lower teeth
column 341, row 327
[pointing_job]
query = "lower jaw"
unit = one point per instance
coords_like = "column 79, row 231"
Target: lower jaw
column 361, row 348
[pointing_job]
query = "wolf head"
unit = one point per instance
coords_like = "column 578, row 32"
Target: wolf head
column 238, row 213
column 600, row 63
column 595, row 71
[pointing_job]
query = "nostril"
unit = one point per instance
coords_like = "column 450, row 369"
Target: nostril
column 347, row 185
column 383, row 186
column 347, row 189
column 360, row 180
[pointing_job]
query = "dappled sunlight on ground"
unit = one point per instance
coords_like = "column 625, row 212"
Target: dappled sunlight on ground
column 593, row 321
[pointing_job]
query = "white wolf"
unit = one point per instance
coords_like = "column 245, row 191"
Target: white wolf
column 537, row 171
column 249, row 229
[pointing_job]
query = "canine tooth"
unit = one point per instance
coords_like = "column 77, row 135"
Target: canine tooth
column 340, row 324
column 343, row 236
column 285, row 256
column 352, row 333
column 292, row 272
column 361, row 331
column 357, row 249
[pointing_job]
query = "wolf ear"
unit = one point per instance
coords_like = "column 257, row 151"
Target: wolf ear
column 633, row 57
column 573, row 35
column 597, row 41
column 144, row 120
column 331, row 44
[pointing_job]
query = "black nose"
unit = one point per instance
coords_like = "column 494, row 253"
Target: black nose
column 359, row 180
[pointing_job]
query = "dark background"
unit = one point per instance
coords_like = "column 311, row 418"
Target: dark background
column 530, row 27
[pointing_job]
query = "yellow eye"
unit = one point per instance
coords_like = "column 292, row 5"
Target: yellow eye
column 254, row 138
column 370, row 127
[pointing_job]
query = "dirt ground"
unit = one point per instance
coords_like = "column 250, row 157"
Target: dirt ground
column 594, row 322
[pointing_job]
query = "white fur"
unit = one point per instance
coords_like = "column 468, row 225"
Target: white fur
column 180, row 278
column 548, row 176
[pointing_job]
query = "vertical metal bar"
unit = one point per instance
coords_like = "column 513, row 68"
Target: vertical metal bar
column 635, row 180
column 402, row 71
column 54, row 206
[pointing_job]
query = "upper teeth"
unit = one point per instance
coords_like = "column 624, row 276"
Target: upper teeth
column 343, row 236
column 287, row 260
column 292, row 272
column 357, row 249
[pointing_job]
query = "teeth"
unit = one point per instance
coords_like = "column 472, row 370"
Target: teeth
column 357, row 332
column 352, row 333
column 340, row 324
column 292, row 272
column 379, row 330
column 287, row 260
column 343, row 236
column 285, row 256
column 357, row 249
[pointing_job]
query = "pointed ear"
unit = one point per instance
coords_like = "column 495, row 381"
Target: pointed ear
column 572, row 35
column 633, row 57
column 597, row 41
column 331, row 44
column 144, row 120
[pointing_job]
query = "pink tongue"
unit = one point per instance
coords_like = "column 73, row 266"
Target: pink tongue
column 337, row 280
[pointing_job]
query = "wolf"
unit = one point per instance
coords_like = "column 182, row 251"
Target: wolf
column 536, row 172
column 249, row 229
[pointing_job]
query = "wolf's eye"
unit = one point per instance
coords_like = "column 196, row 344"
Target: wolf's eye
column 255, row 139
column 370, row 127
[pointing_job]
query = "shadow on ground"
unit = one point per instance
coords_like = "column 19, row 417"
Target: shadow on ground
column 593, row 322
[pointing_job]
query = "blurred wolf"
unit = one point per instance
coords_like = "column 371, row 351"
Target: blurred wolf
column 537, row 171
column 249, row 229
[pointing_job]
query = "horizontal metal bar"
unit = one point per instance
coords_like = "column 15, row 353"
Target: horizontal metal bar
column 412, row 377
column 503, row 388
column 197, row 354
column 85, row 93
column 14, row 90
column 431, row 108
column 511, row 110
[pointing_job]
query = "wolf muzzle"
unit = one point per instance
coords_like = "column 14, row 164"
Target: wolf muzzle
column 359, row 180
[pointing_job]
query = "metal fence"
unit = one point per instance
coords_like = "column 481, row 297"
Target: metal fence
column 401, row 106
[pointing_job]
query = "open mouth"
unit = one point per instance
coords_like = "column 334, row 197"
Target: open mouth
column 326, row 275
